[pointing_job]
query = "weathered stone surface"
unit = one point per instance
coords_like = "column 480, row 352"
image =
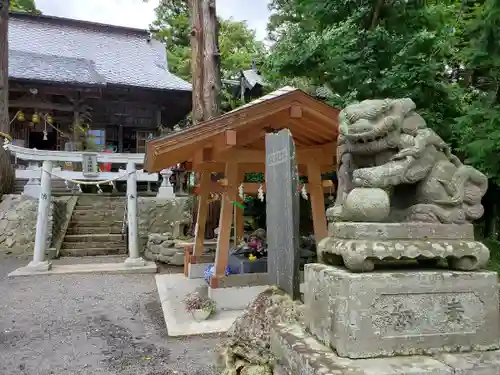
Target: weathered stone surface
column 401, row 313
column 360, row 245
column 248, row 341
column 303, row 354
column 256, row 370
column 164, row 248
column 397, row 231
column 482, row 363
column 364, row 204
column 18, row 216
column 158, row 215
column 385, row 144
column 361, row 255
column 282, row 212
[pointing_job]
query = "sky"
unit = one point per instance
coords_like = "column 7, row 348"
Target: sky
column 136, row 13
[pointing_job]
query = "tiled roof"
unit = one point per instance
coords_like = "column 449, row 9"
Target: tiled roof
column 40, row 67
column 61, row 50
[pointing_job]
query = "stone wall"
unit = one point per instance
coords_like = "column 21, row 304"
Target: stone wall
column 18, row 215
column 158, row 215
column 163, row 248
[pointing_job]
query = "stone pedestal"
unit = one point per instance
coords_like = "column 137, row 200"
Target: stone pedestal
column 401, row 312
column 166, row 190
column 300, row 353
column 361, row 246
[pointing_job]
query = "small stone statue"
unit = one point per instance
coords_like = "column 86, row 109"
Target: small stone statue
column 401, row 193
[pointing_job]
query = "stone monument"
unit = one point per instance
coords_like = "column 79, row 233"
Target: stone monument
column 282, row 211
column 404, row 209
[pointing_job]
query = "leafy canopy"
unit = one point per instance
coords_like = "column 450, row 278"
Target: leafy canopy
column 369, row 49
column 27, row 6
column 478, row 130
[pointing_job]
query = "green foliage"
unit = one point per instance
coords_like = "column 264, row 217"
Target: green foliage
column 369, row 50
column 494, row 247
column 478, row 130
column 254, row 177
column 27, row 6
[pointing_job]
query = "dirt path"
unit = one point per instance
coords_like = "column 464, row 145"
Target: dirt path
column 91, row 324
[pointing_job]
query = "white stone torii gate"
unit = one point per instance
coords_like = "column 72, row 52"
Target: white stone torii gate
column 134, row 263
column 39, row 263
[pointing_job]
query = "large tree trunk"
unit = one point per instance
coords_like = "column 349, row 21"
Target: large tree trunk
column 211, row 64
column 197, row 37
column 6, row 170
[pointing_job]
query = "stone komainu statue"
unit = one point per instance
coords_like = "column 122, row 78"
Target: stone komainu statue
column 386, row 144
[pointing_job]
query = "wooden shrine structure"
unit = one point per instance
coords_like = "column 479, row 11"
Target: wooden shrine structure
column 234, row 144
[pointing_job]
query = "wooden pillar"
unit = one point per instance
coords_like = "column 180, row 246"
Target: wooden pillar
column 239, row 222
column 226, row 219
column 76, row 124
column 317, row 201
column 120, row 138
column 201, row 220
column 4, row 70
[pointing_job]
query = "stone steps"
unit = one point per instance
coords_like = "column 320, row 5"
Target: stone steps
column 88, row 216
column 89, row 207
column 78, row 230
column 58, row 186
column 98, row 251
column 91, row 223
column 99, row 238
column 93, row 245
column 96, row 227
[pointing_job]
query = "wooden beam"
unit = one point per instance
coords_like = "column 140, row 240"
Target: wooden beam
column 199, row 237
column 316, row 191
column 219, row 167
column 226, row 219
column 239, row 222
column 305, row 156
column 36, row 104
column 203, row 134
column 251, row 188
column 224, row 141
column 295, row 111
column 306, row 129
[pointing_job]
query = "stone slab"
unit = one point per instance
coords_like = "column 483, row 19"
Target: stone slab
column 402, row 312
column 300, row 353
column 113, row 268
column 282, row 212
column 235, row 298
column 483, row 363
column 166, row 192
column 197, row 271
column 172, row 289
column 362, row 255
column 401, row 231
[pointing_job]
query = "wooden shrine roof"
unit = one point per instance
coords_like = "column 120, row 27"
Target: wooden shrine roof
column 312, row 123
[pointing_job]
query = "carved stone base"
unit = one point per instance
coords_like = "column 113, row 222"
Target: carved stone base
column 298, row 352
column 360, row 246
column 401, row 313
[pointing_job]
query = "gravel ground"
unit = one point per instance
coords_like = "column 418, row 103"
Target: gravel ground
column 91, row 324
